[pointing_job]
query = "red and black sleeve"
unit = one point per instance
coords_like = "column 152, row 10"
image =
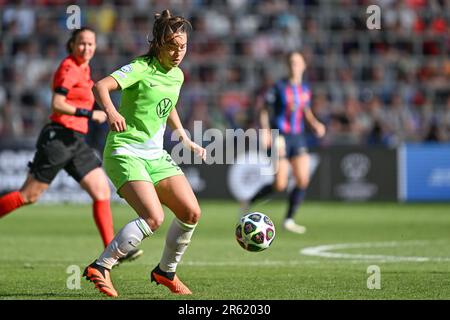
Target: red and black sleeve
column 64, row 80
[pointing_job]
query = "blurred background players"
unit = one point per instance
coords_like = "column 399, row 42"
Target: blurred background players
column 288, row 106
column 61, row 143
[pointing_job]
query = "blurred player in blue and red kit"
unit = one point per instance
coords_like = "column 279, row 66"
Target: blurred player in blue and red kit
column 61, row 143
column 288, row 105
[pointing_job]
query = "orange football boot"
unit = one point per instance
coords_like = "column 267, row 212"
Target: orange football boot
column 170, row 280
column 100, row 277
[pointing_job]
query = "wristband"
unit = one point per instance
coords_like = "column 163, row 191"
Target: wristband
column 61, row 90
column 83, row 113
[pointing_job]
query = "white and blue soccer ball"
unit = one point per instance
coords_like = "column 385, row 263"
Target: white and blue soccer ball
column 255, row 232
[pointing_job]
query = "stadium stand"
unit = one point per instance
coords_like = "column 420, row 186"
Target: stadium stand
column 370, row 87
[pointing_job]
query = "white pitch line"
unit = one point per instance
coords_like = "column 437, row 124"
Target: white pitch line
column 324, row 252
column 263, row 263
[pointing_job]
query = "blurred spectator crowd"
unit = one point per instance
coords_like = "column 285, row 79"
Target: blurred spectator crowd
column 370, row 87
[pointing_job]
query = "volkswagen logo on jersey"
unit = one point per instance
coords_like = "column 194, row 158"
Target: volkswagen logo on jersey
column 163, row 108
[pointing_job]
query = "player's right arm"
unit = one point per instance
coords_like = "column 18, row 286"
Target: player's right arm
column 120, row 79
column 102, row 95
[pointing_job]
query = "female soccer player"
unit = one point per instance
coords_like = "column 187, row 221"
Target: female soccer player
column 61, row 143
column 288, row 104
column 144, row 174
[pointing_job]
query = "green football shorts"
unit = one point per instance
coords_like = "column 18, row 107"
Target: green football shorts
column 123, row 168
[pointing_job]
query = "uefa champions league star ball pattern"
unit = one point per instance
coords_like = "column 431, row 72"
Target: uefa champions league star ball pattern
column 255, row 232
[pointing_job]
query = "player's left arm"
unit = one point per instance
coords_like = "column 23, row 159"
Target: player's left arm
column 175, row 123
column 317, row 126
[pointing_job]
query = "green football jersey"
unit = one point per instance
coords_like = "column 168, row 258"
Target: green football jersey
column 149, row 93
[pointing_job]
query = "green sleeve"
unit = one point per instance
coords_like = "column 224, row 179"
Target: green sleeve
column 131, row 73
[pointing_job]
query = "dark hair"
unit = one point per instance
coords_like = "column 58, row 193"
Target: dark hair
column 74, row 35
column 165, row 24
column 292, row 52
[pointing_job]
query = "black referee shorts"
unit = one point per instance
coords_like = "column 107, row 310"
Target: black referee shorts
column 61, row 148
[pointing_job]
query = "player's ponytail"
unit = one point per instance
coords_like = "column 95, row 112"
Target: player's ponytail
column 165, row 24
column 74, row 36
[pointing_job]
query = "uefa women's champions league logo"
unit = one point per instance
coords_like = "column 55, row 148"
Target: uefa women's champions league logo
column 355, row 168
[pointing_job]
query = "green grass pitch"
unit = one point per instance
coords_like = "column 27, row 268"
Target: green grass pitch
column 39, row 243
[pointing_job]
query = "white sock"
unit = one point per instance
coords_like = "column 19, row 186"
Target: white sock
column 125, row 240
column 289, row 221
column 177, row 241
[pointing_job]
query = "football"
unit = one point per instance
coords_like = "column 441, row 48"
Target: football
column 255, row 232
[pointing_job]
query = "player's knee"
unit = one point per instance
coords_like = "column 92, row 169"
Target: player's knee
column 303, row 184
column 154, row 222
column 280, row 186
column 30, row 196
column 192, row 215
column 100, row 192
column 101, row 195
